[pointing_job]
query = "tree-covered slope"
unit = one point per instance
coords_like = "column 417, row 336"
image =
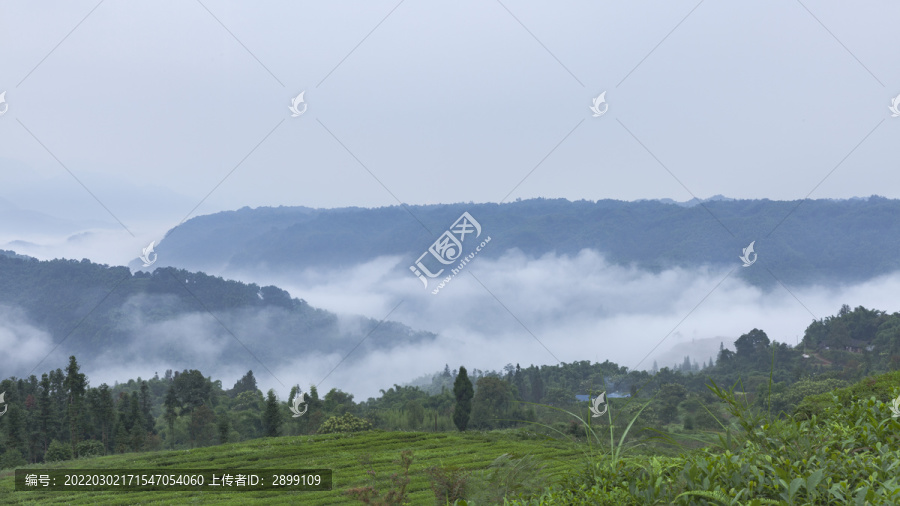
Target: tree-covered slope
column 799, row 241
column 96, row 309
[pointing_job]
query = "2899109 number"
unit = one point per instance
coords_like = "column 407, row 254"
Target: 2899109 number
column 289, row 480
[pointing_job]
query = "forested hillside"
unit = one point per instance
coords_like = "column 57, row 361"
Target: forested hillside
column 801, row 241
column 98, row 309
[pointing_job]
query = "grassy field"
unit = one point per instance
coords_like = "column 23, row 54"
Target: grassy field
column 339, row 452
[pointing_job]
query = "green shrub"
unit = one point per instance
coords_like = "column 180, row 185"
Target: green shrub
column 57, row 452
column 788, row 399
column 344, row 423
column 880, row 386
column 89, row 448
column 12, row 458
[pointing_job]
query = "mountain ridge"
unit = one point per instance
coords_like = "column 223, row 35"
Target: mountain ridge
column 805, row 242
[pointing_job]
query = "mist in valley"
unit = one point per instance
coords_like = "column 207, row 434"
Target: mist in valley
column 511, row 309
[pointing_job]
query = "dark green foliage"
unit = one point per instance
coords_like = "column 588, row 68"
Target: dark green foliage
column 137, row 438
column 90, row 448
column 881, row 387
column 12, row 458
column 670, row 396
column 706, row 417
column 57, row 452
column 491, row 404
column 246, row 384
column 344, row 423
column 103, row 413
column 75, row 384
column 463, row 392
column 122, row 444
column 171, row 413
column 751, row 344
column 415, row 413
column 201, row 427
column 537, row 384
column 338, row 402
column 519, row 383
column 224, row 428
column 146, row 416
column 272, row 416
column 788, row 398
column 191, row 390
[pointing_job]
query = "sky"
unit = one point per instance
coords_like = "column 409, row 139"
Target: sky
column 124, row 119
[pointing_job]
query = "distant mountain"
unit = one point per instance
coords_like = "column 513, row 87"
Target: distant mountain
column 804, row 242
column 17, row 221
column 108, row 314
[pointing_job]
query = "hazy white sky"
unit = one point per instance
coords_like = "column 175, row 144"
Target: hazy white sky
column 154, row 106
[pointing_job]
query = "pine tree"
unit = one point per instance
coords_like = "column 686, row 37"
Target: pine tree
column 224, row 428
column 537, row 385
column 272, row 416
column 519, row 382
column 45, row 413
column 75, row 385
column 134, row 412
column 146, row 406
column 104, row 413
column 59, row 401
column 121, row 439
column 15, row 427
column 137, row 437
column 463, row 391
column 171, row 404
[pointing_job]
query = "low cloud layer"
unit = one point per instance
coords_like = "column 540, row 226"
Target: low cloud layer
column 22, row 343
column 511, row 310
column 559, row 308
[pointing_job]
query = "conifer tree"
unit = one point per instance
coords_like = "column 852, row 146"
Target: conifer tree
column 463, row 391
column 272, row 416
column 75, row 385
